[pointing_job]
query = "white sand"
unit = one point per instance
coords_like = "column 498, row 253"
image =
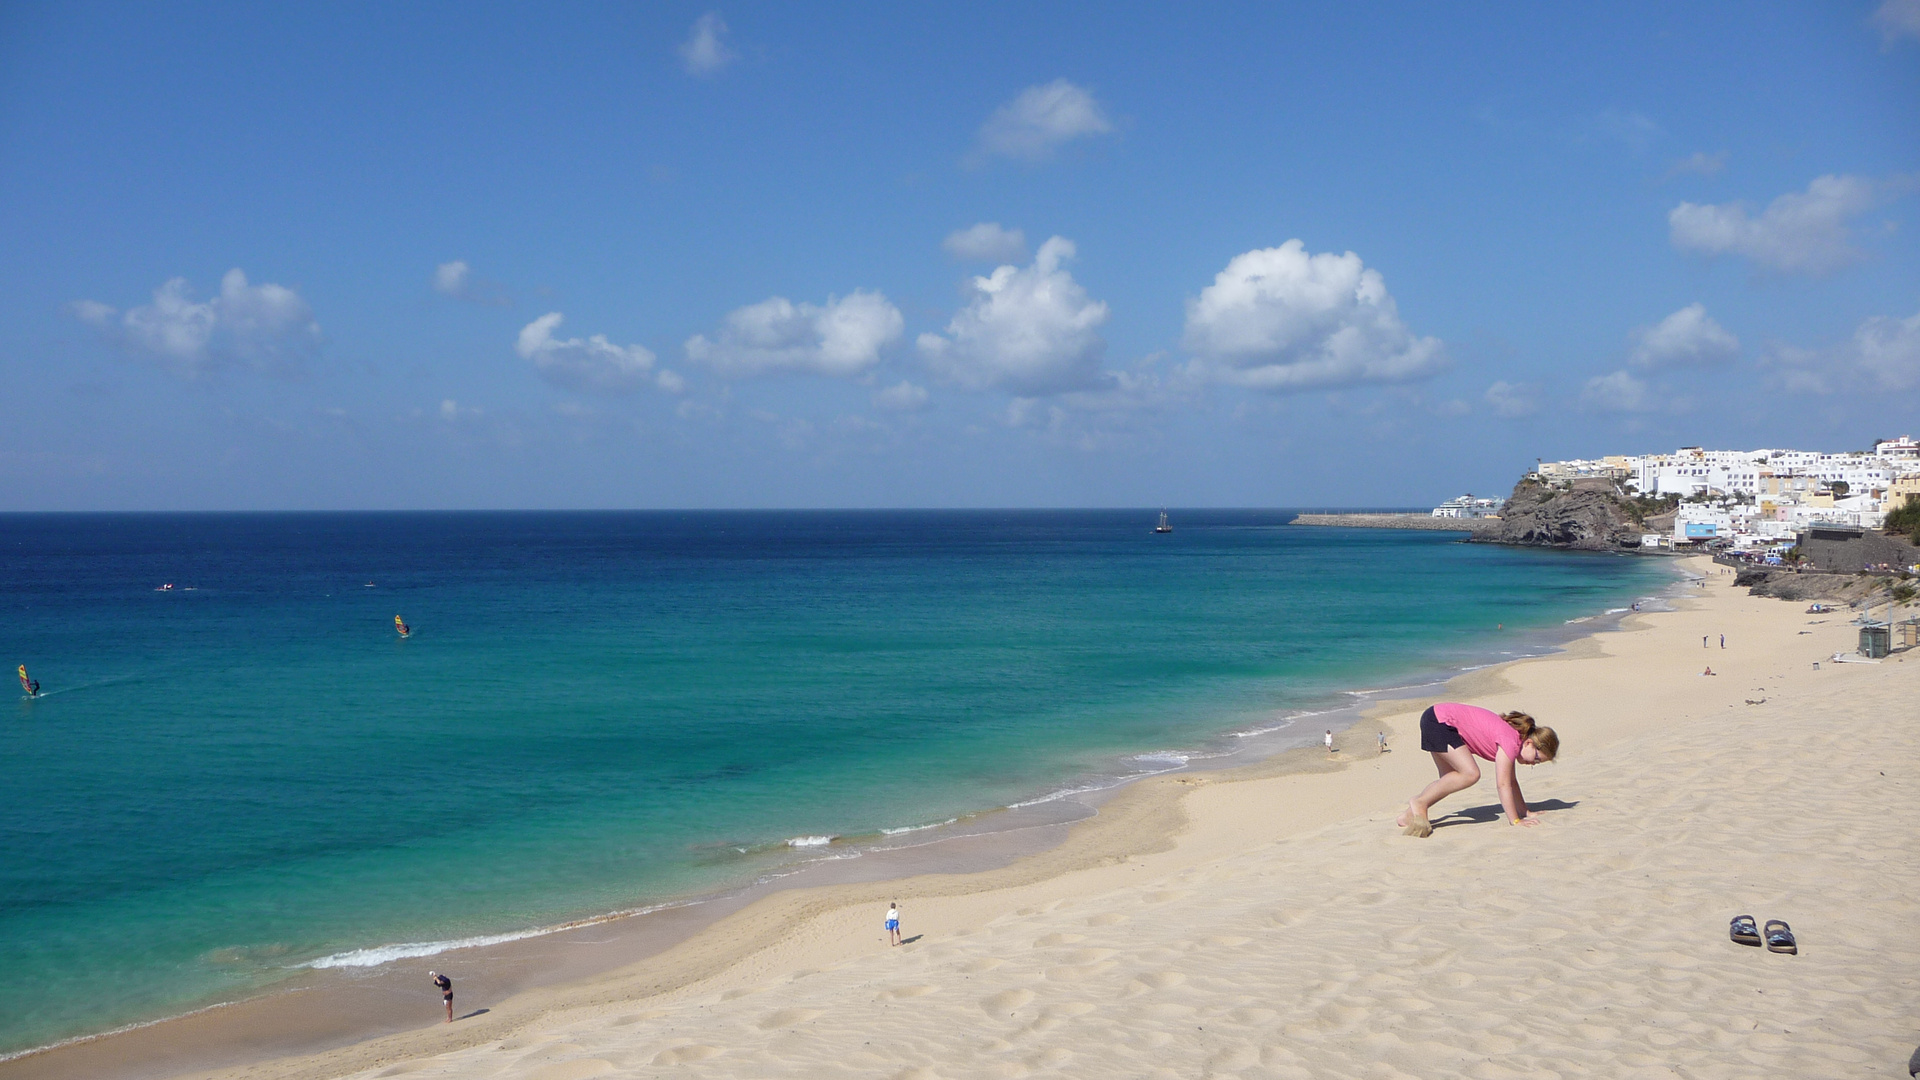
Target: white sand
column 1290, row 931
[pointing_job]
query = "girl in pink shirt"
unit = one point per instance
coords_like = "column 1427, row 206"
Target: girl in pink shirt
column 1455, row 735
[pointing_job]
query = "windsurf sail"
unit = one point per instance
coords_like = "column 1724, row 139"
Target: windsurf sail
column 32, row 688
column 401, row 626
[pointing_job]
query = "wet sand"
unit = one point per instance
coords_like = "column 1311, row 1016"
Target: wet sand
column 1270, row 920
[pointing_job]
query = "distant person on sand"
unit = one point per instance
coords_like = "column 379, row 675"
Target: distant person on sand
column 893, row 921
column 1329, row 740
column 1383, row 743
column 1455, row 735
column 446, row 991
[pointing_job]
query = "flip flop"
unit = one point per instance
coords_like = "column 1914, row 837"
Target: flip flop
column 1744, row 930
column 1781, row 939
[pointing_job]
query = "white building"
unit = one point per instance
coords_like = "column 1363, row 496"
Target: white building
column 1466, row 506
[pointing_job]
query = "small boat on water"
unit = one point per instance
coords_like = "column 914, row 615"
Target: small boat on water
column 1163, row 527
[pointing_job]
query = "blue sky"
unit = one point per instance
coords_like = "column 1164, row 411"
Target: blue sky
column 996, row 255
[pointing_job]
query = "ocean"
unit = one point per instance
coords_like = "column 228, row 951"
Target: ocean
column 252, row 772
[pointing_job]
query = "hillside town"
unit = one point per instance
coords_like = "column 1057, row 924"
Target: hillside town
column 1744, row 499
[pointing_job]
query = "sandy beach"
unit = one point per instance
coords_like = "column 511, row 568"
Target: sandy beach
column 1271, row 921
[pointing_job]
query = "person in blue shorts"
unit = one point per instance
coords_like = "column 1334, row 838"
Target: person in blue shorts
column 893, row 922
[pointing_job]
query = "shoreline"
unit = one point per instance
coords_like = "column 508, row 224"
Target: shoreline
column 1273, row 917
column 277, row 1023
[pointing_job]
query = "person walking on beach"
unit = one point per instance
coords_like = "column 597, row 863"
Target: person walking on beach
column 446, row 991
column 1329, row 740
column 893, row 922
column 1383, row 743
column 1723, row 641
column 1456, row 734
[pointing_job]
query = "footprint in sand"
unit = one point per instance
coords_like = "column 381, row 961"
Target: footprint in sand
column 1057, row 939
column 788, row 1018
column 685, row 1055
column 984, row 964
column 1109, row 918
column 740, row 993
column 1005, row 1002
column 1157, row 980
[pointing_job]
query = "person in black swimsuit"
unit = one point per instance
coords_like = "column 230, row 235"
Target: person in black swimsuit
column 446, row 991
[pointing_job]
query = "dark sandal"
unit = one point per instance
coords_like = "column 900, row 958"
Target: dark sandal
column 1744, row 930
column 1780, row 937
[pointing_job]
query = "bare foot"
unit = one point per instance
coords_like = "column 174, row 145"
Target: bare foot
column 1413, row 822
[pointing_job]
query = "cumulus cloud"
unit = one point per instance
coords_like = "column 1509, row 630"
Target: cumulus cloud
column 1029, row 127
column 263, row 326
column 843, row 338
column 1031, row 329
column 457, row 280
column 1619, row 392
column 1513, row 400
column 450, row 278
column 1281, row 319
column 705, row 51
column 1883, row 355
column 1798, row 233
column 1688, row 336
column 590, row 365
column 903, row 396
column 1897, row 19
column 986, row 242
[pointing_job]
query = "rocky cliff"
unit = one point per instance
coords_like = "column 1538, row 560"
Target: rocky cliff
column 1590, row 515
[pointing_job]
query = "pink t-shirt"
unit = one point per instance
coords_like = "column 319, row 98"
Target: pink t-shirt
column 1484, row 731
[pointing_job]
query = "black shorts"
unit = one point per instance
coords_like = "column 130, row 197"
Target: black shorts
column 1436, row 737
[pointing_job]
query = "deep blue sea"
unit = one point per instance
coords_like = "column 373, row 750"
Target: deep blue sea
column 596, row 712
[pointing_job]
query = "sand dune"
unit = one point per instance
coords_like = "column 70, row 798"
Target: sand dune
column 1290, row 931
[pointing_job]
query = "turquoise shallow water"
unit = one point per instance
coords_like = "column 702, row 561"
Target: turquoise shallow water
column 600, row 711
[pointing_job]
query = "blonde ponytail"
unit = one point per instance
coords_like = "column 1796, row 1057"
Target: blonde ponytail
column 1543, row 738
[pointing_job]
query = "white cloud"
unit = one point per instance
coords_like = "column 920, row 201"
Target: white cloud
column 1513, row 400
column 1688, row 336
column 1041, row 118
column 1698, row 163
column 1799, row 232
column 903, row 396
column 1619, row 392
column 450, row 278
column 986, row 242
column 1887, row 350
column 1032, row 329
column 1882, row 356
column 1281, row 319
column 262, row 326
column 451, row 410
column 705, row 51
column 843, row 338
column 592, row 365
column 1897, row 19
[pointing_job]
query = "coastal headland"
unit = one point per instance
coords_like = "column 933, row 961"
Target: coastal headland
column 1271, row 921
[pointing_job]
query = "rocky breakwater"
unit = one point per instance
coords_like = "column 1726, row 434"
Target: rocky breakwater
column 1586, row 515
column 1424, row 522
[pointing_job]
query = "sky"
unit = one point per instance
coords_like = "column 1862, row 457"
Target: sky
column 426, row 256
